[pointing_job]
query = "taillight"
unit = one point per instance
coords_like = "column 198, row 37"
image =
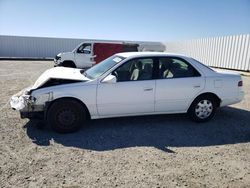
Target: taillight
column 240, row 83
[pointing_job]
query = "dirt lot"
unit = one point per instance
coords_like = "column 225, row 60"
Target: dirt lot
column 152, row 151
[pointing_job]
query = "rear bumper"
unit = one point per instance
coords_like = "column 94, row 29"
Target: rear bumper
column 233, row 100
column 241, row 95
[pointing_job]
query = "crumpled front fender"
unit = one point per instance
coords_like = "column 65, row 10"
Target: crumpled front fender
column 21, row 100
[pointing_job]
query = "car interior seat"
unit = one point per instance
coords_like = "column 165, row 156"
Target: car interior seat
column 137, row 71
column 146, row 72
column 165, row 70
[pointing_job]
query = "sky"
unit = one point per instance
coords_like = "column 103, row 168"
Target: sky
column 145, row 20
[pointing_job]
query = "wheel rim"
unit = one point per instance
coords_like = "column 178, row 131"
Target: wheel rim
column 204, row 109
column 66, row 118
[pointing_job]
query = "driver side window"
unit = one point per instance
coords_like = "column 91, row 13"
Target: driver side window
column 135, row 69
column 84, row 48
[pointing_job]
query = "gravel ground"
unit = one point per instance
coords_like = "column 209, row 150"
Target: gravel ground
column 151, row 151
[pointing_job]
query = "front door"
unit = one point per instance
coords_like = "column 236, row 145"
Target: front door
column 133, row 93
column 83, row 56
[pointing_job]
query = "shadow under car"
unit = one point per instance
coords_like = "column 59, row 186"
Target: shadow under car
column 229, row 126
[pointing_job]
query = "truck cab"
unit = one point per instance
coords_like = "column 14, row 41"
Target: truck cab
column 87, row 54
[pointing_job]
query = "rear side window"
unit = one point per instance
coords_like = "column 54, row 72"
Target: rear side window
column 175, row 68
column 203, row 65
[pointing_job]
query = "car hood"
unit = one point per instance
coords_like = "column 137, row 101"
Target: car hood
column 64, row 53
column 59, row 73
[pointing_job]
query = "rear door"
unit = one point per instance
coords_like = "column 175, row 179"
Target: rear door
column 104, row 50
column 177, row 84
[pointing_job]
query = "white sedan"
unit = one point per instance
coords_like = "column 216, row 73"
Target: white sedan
column 128, row 84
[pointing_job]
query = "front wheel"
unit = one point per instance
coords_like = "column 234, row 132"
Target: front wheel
column 202, row 109
column 69, row 64
column 66, row 115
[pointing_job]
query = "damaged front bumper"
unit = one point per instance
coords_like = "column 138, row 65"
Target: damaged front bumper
column 21, row 100
column 28, row 105
column 57, row 62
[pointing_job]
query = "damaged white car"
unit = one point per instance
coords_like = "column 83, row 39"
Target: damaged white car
column 128, row 84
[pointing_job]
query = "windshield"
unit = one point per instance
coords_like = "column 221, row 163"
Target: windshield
column 102, row 67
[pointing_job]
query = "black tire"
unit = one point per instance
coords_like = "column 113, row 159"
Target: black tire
column 69, row 64
column 40, row 125
column 66, row 116
column 200, row 113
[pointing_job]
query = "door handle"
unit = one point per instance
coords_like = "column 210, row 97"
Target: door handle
column 197, row 86
column 148, row 89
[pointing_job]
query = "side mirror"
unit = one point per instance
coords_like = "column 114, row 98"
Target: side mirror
column 110, row 79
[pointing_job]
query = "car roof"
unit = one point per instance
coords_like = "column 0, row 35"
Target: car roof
column 147, row 54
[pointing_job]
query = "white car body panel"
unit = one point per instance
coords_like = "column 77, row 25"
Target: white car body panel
column 157, row 96
column 168, row 99
column 125, row 98
column 225, row 87
column 83, row 91
column 59, row 73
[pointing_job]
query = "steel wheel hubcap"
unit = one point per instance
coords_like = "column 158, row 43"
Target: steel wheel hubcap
column 204, row 109
column 66, row 118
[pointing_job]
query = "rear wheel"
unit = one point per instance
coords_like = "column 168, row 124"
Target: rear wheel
column 202, row 109
column 66, row 115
